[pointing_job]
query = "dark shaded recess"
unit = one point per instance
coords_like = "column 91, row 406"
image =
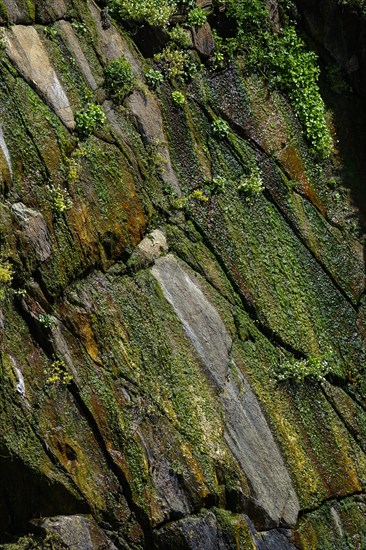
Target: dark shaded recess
column 349, row 117
column 338, row 32
column 26, row 494
column 150, row 40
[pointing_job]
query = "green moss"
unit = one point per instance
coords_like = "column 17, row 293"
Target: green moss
column 236, row 531
column 335, row 525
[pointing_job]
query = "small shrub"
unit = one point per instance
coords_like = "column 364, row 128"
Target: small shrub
column 90, row 119
column 61, row 200
column 298, row 370
column 154, row 78
column 46, row 320
column 220, row 128
column 174, row 61
column 6, row 277
column 178, row 98
column 57, row 374
column 218, row 184
column 251, row 185
column 180, row 37
column 154, row 12
column 197, row 17
column 198, row 195
column 119, row 79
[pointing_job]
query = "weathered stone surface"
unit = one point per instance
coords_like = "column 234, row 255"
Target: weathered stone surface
column 247, row 432
column 34, row 229
column 145, row 109
column 6, row 171
column 26, row 51
column 149, row 396
column 77, row 532
column 68, row 33
column 112, row 42
column 190, row 534
column 19, row 12
column 203, row 40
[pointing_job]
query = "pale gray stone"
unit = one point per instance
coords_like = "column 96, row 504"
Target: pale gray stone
column 35, row 230
column 68, row 33
column 247, row 432
column 26, row 51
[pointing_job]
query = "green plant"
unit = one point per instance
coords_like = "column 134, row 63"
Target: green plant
column 316, row 367
column 56, row 373
column 282, row 59
column 178, row 98
column 218, row 184
column 154, row 12
column 89, row 119
column 46, row 320
column 295, row 70
column 180, row 36
column 119, row 79
column 198, row 195
column 220, row 128
column 154, row 78
column 51, row 32
column 61, row 200
column 197, row 17
column 174, row 61
column 6, row 276
column 251, row 185
column 79, row 26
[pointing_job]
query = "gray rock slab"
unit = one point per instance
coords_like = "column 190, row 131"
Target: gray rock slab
column 247, row 432
column 68, row 33
column 26, row 51
column 77, row 532
column 18, row 12
column 112, row 43
column 145, row 110
column 35, row 230
column 203, row 40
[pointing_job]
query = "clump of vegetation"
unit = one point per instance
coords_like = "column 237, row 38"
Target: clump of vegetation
column 178, row 98
column 296, row 71
column 197, row 17
column 154, row 12
column 251, row 185
column 46, row 320
column 174, row 61
column 89, row 119
column 6, row 277
column 220, row 128
column 316, row 368
column 218, row 184
column 283, row 59
column 57, row 374
column 154, row 78
column 119, row 79
column 198, row 195
column 61, row 200
column 180, row 36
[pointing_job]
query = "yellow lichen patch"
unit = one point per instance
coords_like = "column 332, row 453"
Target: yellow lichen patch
column 196, row 470
column 87, row 337
column 71, row 455
column 81, row 222
column 305, row 536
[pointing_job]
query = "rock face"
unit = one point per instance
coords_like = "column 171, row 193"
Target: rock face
column 182, row 288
